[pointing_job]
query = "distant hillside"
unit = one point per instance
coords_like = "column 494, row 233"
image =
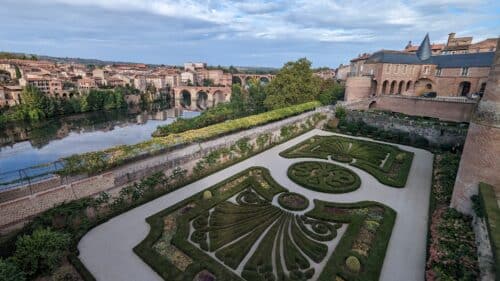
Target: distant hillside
column 13, row 55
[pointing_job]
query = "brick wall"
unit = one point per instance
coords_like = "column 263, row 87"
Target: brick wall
column 445, row 110
column 480, row 162
column 358, row 88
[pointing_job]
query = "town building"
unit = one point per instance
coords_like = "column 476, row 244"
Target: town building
column 403, row 73
column 457, row 45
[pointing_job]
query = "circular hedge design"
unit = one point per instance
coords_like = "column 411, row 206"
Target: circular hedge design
column 293, row 201
column 324, row 177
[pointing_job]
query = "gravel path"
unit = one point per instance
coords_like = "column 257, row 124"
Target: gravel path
column 107, row 249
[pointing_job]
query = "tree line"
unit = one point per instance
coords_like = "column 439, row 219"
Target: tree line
column 35, row 105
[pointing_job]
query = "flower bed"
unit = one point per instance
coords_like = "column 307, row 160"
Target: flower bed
column 293, row 201
column 388, row 164
column 324, row 177
column 221, row 230
column 95, row 162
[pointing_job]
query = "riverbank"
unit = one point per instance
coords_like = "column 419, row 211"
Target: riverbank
column 58, row 138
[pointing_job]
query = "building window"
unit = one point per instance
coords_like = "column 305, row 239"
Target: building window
column 388, row 68
column 404, row 68
column 438, row 71
column 397, row 68
column 426, row 70
column 465, row 71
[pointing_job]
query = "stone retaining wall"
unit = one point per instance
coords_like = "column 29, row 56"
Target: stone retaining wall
column 437, row 133
column 22, row 206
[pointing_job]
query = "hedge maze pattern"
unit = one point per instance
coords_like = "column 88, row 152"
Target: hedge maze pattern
column 324, row 177
column 387, row 163
column 238, row 234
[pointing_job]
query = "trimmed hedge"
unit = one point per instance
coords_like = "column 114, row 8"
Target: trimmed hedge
column 492, row 217
column 327, row 177
column 371, row 265
column 368, row 156
column 287, row 205
column 98, row 161
column 238, row 226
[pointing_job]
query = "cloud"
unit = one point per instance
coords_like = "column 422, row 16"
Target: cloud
column 229, row 30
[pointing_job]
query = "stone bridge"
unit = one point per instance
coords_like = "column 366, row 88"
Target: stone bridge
column 243, row 79
column 200, row 98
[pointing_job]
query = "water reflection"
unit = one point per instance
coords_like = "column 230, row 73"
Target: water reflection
column 26, row 145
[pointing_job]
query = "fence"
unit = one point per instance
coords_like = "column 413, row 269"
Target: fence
column 27, row 176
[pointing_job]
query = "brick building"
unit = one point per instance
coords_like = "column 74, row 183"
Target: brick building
column 458, row 45
column 404, row 73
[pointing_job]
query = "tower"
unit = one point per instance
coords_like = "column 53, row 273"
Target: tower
column 480, row 160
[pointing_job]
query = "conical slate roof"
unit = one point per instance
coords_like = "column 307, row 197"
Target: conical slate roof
column 424, row 51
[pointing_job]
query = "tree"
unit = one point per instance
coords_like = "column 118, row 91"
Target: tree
column 41, row 252
column 9, row 271
column 294, row 83
column 256, row 96
column 238, row 98
column 330, row 92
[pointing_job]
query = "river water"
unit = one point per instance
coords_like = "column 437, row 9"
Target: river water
column 25, row 145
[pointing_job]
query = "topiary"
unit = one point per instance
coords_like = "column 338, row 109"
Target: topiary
column 400, row 157
column 207, row 195
column 353, row 264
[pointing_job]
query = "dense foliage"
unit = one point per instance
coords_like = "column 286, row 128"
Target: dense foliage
column 294, row 83
column 36, row 106
column 452, row 253
column 41, row 252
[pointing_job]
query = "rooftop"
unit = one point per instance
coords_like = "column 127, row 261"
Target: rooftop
column 445, row 61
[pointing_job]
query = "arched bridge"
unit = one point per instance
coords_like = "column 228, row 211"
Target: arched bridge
column 243, row 79
column 200, row 98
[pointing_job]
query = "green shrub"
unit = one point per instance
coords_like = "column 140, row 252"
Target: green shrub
column 207, row 195
column 9, row 271
column 324, row 177
column 41, row 252
column 353, row 264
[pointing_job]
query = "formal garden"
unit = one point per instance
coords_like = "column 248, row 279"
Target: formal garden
column 387, row 163
column 233, row 231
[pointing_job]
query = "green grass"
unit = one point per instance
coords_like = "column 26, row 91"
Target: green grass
column 492, row 217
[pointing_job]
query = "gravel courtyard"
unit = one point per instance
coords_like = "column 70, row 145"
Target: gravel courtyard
column 107, row 249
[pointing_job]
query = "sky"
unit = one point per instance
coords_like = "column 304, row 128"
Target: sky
column 236, row 32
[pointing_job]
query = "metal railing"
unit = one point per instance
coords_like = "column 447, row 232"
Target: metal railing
column 27, row 176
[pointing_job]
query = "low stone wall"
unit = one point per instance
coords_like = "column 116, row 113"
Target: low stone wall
column 28, row 206
column 22, row 207
column 437, row 133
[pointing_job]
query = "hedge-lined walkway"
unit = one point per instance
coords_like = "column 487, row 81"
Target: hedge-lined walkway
column 107, row 249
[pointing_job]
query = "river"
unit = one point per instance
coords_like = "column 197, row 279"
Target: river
column 26, row 145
